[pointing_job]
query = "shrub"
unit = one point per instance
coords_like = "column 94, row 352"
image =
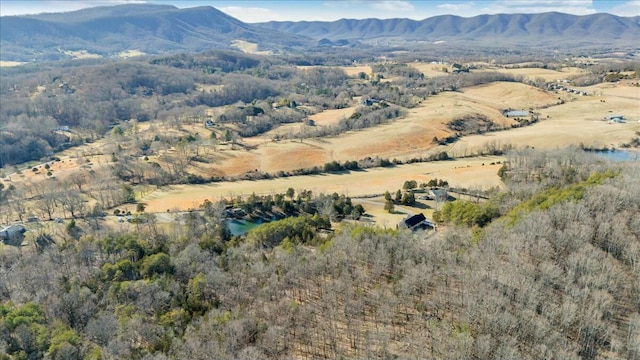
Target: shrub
column 300, row 229
column 156, row 264
column 467, row 213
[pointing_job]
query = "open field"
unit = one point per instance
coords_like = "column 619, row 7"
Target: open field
column 412, row 135
column 546, row 74
column 81, row 54
column 324, row 118
column 578, row 120
column 572, row 123
column 130, row 53
column 566, row 125
column 245, row 46
column 462, row 173
column 503, row 95
column 532, row 73
column 618, row 92
column 429, row 69
column 351, row 71
column 550, row 134
column 248, row 47
column 4, row 63
column 332, row 117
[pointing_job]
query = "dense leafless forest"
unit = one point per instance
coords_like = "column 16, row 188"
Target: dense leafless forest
column 547, row 268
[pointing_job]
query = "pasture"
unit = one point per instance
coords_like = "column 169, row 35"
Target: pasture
column 429, row 69
column 579, row 120
column 470, row 173
column 546, row 74
column 351, row 71
column 4, row 63
column 404, row 138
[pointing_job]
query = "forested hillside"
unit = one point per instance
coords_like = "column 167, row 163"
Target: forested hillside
column 553, row 271
column 147, row 28
column 538, row 30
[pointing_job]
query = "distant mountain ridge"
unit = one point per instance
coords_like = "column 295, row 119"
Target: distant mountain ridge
column 156, row 29
column 537, row 29
column 148, row 28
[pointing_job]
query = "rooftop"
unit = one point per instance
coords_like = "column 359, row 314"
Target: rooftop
column 513, row 113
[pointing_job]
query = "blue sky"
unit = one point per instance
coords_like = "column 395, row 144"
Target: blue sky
column 328, row 10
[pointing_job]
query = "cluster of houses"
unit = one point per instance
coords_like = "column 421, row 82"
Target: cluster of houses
column 559, row 87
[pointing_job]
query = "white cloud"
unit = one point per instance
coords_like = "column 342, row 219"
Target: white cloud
column 394, row 5
column 630, row 8
column 455, row 8
column 253, row 14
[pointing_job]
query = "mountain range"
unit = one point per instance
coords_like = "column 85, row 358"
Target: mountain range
column 532, row 29
column 151, row 29
column 155, row 29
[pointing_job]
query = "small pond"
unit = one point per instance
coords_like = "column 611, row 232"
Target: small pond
column 619, row 155
column 239, row 227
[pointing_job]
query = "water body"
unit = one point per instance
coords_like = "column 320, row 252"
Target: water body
column 239, row 227
column 619, row 155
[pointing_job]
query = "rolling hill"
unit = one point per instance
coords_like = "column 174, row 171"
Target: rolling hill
column 552, row 28
column 151, row 29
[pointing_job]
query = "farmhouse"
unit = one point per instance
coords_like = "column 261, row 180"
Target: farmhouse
column 416, row 222
column 13, row 234
column 438, row 194
column 516, row 113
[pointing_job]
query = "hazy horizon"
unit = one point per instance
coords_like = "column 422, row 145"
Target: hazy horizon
column 329, row 10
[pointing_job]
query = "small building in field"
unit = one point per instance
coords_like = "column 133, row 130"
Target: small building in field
column 516, row 113
column 615, row 118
